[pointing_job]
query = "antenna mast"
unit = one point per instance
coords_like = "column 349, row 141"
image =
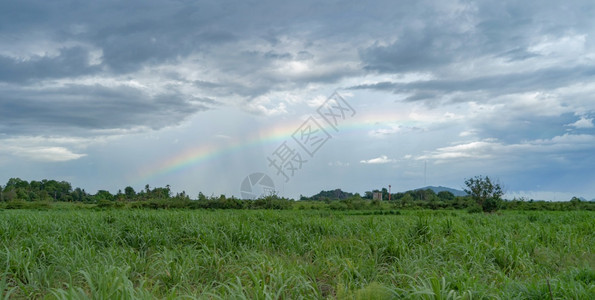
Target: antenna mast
column 425, row 173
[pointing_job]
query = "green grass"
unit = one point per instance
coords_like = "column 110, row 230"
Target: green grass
column 257, row 254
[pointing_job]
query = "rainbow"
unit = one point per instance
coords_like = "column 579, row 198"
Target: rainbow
column 203, row 153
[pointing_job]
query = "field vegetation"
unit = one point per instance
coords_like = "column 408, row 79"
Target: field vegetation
column 68, row 251
column 62, row 243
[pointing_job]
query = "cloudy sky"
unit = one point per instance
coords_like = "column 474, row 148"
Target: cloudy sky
column 200, row 94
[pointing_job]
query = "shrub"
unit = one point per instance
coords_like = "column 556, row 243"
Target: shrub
column 105, row 203
column 16, row 204
column 473, row 209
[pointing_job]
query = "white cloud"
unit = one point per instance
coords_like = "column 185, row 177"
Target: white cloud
column 223, row 136
column 568, row 45
column 582, row 123
column 47, row 154
column 382, row 159
column 48, row 149
column 491, row 148
column 477, row 149
column 316, row 101
column 540, row 195
column 265, row 106
column 338, row 164
column 466, row 133
column 382, row 132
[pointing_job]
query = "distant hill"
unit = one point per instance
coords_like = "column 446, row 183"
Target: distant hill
column 339, row 194
column 585, row 199
column 332, row 194
column 438, row 189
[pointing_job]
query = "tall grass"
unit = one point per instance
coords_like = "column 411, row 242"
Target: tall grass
column 300, row 254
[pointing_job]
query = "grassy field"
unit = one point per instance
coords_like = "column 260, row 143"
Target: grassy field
column 257, row 254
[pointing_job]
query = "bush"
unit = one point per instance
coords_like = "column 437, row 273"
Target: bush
column 491, row 204
column 473, row 209
column 271, row 202
column 336, row 205
column 41, row 205
column 105, row 203
column 17, row 204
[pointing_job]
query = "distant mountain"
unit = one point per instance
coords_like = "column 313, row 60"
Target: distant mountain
column 438, row 189
column 585, row 199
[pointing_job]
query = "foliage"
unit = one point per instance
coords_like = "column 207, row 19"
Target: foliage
column 485, row 193
column 297, row 254
column 19, row 193
column 446, row 195
column 45, row 190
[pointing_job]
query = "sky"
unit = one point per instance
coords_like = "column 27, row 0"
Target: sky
column 309, row 95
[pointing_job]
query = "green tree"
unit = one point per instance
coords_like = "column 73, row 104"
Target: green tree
column 446, row 196
column 79, row 195
column 129, row 192
column 161, row 193
column 201, row 197
column 484, row 192
column 103, row 195
column 575, row 202
column 17, row 183
column 406, row 200
column 9, row 194
column 429, row 195
column 120, row 196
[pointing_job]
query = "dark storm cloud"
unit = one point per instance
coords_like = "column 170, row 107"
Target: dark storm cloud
column 129, row 35
column 72, row 73
column 80, row 108
column 45, row 41
column 69, row 62
column 134, row 34
column 486, row 29
column 415, row 50
column 243, row 47
column 540, row 80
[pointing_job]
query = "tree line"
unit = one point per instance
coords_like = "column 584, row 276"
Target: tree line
column 18, row 193
column 482, row 195
column 17, row 189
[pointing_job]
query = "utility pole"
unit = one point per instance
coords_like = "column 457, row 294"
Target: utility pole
column 425, row 173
